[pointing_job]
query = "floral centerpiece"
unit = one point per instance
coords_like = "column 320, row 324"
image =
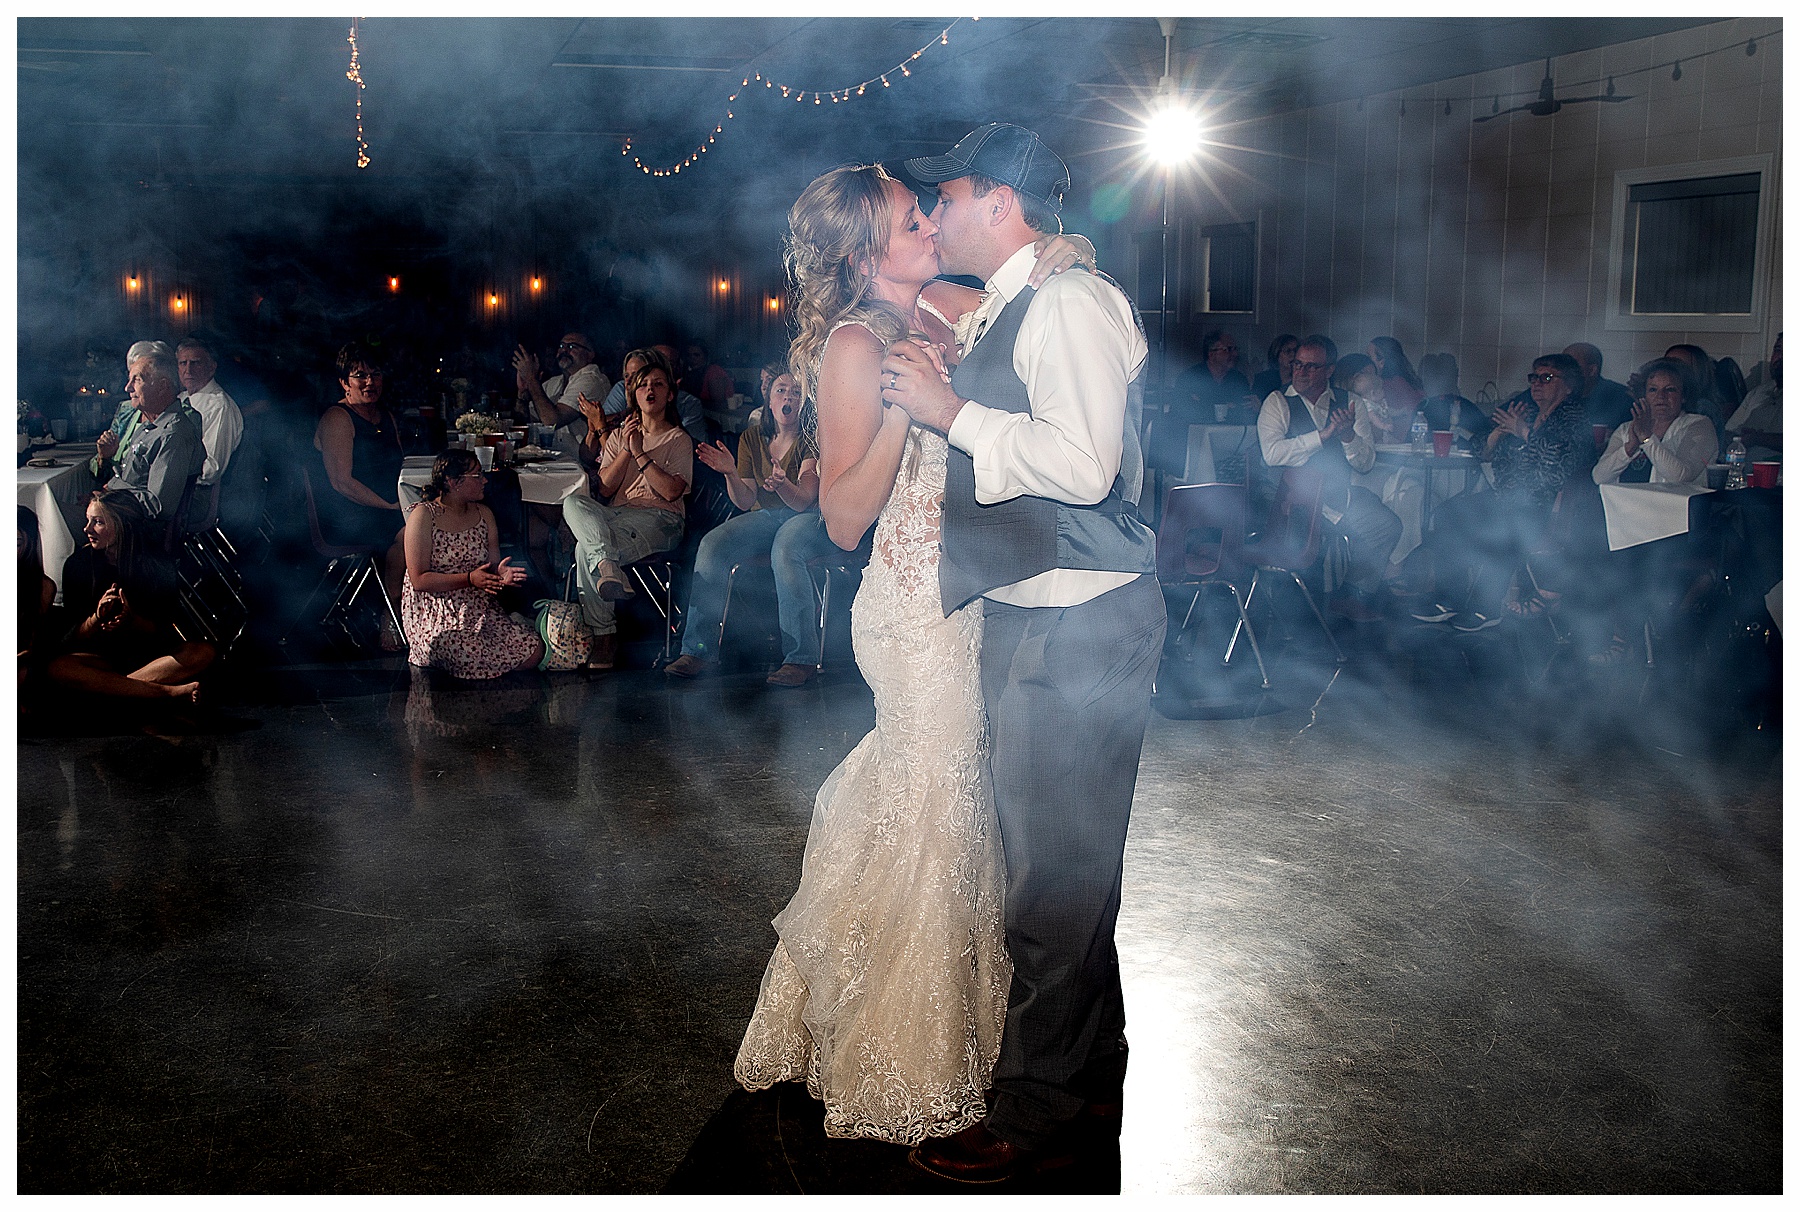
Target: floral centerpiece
column 476, row 422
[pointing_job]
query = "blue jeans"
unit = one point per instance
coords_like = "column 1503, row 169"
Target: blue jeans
column 617, row 533
column 790, row 539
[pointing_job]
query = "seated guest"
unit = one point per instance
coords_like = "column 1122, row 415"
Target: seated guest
column 1537, row 446
column 1212, row 382
column 775, row 478
column 1399, row 380
column 36, row 590
column 1401, row 489
column 1663, row 443
column 123, row 593
column 1313, row 425
column 1444, row 405
column 704, row 378
column 638, row 473
column 553, row 401
column 1605, row 402
column 1279, row 373
column 453, row 571
column 163, row 451
column 221, row 422
column 1758, row 419
column 687, row 407
column 1707, row 401
column 359, row 444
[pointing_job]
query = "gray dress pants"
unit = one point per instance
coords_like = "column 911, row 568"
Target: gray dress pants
column 1067, row 693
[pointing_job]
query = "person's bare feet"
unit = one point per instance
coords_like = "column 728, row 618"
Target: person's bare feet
column 187, row 690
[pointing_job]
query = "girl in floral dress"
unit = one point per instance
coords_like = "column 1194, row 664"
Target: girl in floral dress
column 453, row 571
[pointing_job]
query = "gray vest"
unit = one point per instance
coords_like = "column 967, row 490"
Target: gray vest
column 987, row 546
column 1330, row 459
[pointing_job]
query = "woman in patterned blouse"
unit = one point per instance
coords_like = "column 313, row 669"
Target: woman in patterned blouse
column 1540, row 442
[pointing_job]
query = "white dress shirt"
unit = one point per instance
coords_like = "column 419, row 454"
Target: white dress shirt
column 221, row 428
column 1077, row 350
column 1678, row 457
column 565, row 389
column 1279, row 450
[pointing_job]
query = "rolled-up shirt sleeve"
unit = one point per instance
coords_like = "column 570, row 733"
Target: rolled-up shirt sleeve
column 1077, row 350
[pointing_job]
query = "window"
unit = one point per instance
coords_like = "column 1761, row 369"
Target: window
column 1689, row 244
column 1228, row 269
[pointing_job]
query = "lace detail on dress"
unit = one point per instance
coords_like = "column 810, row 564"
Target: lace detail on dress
column 887, row 990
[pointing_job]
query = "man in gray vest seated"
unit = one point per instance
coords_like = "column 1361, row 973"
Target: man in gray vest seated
column 1311, row 424
column 1040, row 519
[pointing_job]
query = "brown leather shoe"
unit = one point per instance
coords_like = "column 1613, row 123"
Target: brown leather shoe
column 687, row 665
column 793, row 675
column 974, row 1155
column 602, row 651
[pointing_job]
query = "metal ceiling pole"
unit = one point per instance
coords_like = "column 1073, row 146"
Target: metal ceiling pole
column 1165, row 89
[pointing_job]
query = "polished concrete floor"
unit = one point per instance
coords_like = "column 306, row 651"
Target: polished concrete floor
column 1415, row 924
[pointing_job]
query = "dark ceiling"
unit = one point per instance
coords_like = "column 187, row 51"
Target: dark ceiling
column 477, row 97
column 220, row 154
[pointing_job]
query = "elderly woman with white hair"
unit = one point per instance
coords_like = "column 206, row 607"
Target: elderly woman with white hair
column 154, row 447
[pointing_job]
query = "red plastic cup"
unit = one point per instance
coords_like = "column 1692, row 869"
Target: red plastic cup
column 1440, row 442
column 1762, row 475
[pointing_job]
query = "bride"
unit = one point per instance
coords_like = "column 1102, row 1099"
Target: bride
column 887, row 990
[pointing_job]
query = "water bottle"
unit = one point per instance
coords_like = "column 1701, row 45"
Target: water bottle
column 1737, row 459
column 1421, row 434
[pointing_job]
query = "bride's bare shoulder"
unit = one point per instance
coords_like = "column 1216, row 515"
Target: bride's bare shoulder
column 951, row 299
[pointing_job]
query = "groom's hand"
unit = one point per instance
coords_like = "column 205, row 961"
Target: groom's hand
column 912, row 379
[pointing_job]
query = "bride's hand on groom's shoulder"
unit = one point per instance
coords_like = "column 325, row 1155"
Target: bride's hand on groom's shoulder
column 1057, row 253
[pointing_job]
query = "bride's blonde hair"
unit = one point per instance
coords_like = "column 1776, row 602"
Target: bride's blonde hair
column 837, row 236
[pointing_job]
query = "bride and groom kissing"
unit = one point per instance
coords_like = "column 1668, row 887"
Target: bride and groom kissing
column 945, row 975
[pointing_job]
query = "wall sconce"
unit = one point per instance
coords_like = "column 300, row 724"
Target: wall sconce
column 774, row 302
column 493, row 299
column 537, row 285
column 178, row 303
column 131, row 283
column 724, row 286
column 393, row 285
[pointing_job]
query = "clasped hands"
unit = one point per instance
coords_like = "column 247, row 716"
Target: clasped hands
column 111, row 611
column 915, row 380
column 1340, row 424
column 1511, row 419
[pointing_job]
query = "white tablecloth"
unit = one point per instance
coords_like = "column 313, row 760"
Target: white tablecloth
column 1644, row 513
column 59, row 497
column 540, row 483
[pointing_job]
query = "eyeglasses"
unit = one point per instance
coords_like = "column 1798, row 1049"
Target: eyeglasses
column 573, row 345
column 1548, row 378
column 1311, row 365
column 365, row 375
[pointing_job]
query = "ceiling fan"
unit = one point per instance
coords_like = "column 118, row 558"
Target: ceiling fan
column 1547, row 102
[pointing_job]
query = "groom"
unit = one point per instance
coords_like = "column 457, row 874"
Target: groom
column 1040, row 520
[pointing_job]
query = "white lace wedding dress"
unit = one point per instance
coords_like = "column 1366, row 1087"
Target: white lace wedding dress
column 887, row 990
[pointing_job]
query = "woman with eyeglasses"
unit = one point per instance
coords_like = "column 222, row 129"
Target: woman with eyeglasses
column 453, row 571
column 358, row 442
column 1541, row 444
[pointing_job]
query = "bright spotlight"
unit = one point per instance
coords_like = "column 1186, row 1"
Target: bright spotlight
column 1172, row 133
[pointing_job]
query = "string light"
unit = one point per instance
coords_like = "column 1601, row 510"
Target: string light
column 354, row 75
column 788, row 92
